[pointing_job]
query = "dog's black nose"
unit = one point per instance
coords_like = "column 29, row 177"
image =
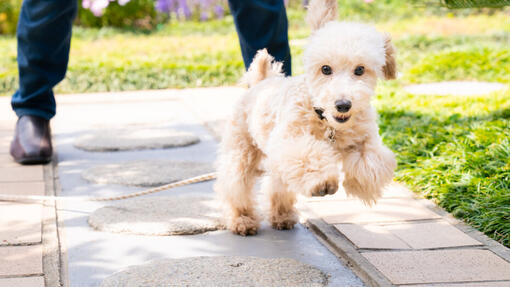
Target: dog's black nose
column 343, row 106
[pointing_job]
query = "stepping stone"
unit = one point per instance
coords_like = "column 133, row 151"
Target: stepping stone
column 146, row 173
column 176, row 215
column 139, row 139
column 454, row 88
column 219, row 271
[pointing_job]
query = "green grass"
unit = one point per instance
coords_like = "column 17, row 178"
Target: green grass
column 103, row 60
column 454, row 150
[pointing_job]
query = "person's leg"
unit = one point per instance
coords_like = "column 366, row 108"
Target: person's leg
column 262, row 24
column 44, row 37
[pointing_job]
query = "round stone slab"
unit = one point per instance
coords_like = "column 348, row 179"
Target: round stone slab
column 138, row 139
column 454, row 88
column 145, row 173
column 218, row 272
column 176, row 215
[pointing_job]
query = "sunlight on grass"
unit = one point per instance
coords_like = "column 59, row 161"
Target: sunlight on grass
column 447, row 26
column 472, row 63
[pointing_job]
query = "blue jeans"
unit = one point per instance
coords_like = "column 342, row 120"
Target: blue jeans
column 44, row 39
column 262, row 24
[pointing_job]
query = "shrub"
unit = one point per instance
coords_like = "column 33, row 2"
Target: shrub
column 139, row 14
column 9, row 12
column 193, row 9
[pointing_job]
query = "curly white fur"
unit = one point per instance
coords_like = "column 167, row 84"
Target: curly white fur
column 275, row 129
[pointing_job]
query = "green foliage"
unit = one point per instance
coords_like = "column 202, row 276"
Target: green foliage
column 454, row 150
column 456, row 4
column 381, row 9
column 138, row 14
column 9, row 13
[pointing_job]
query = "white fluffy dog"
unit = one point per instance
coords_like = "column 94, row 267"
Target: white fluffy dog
column 303, row 131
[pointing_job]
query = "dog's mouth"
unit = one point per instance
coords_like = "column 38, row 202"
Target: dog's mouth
column 342, row 118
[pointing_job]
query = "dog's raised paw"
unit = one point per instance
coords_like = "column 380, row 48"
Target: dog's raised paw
column 328, row 187
column 244, row 225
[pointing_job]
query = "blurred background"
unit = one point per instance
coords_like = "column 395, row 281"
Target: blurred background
column 454, row 149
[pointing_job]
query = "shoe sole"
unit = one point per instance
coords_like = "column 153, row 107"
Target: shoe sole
column 34, row 160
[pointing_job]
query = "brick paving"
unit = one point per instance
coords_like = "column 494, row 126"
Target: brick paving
column 21, row 250
column 409, row 243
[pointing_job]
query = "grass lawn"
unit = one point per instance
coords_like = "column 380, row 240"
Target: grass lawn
column 454, row 150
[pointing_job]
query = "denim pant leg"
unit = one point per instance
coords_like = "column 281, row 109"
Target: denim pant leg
column 44, row 38
column 262, row 24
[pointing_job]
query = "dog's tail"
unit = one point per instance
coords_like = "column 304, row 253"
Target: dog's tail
column 262, row 67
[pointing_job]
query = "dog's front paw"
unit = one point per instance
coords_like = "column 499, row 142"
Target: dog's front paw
column 353, row 187
column 284, row 222
column 330, row 186
column 244, row 225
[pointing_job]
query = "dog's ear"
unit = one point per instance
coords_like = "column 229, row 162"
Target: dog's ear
column 320, row 12
column 390, row 67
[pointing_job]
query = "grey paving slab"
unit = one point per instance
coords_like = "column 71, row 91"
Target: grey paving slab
column 93, row 255
column 21, row 173
column 7, row 161
column 219, row 271
column 4, row 146
column 435, row 234
column 5, row 141
column 22, row 188
column 20, row 223
column 407, row 235
column 459, row 265
column 162, row 215
column 385, row 210
column 37, row 281
column 20, row 260
column 371, row 236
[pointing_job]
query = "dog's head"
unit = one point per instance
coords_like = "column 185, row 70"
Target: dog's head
column 343, row 61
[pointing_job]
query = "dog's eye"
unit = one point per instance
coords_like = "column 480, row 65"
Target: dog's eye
column 326, row 70
column 359, row 70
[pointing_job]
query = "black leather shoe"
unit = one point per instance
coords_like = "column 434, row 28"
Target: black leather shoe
column 32, row 141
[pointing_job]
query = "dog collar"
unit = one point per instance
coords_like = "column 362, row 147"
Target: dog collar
column 331, row 131
column 331, row 135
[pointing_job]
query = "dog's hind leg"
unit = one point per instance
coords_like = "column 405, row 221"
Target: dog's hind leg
column 237, row 171
column 283, row 214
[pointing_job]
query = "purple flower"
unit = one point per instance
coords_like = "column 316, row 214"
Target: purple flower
column 219, row 11
column 97, row 6
column 204, row 16
column 164, row 6
column 184, row 9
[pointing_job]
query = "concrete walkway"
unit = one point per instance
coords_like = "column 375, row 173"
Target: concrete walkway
column 400, row 241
